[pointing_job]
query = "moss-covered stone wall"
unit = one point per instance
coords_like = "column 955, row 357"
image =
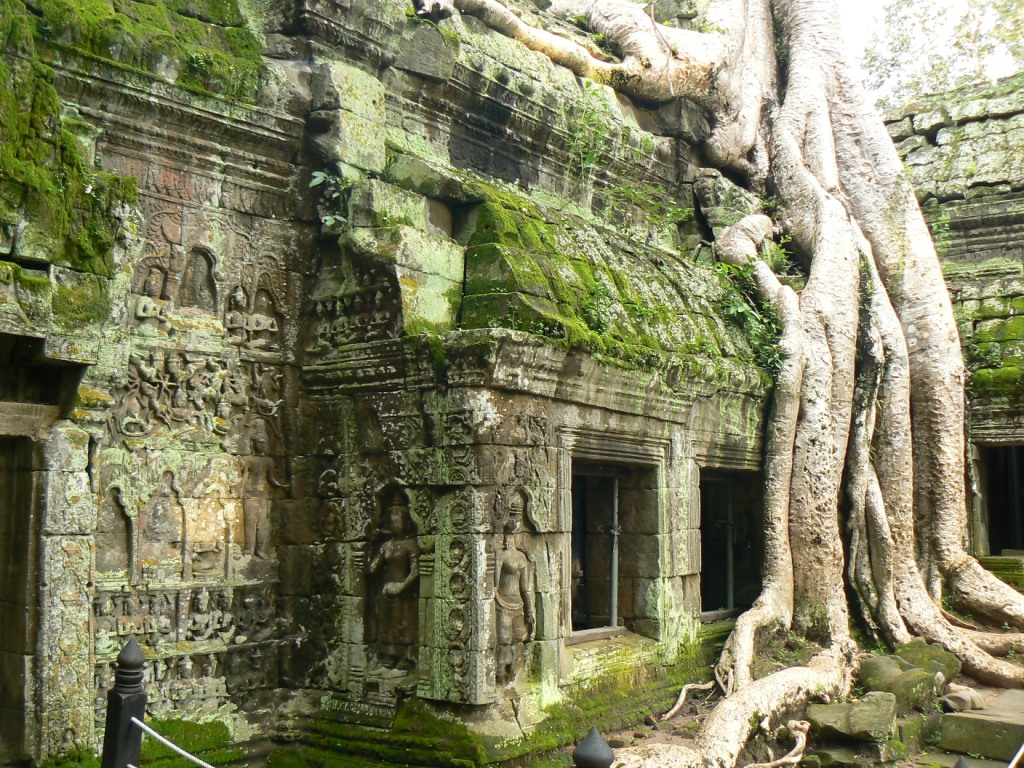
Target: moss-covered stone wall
column 322, row 291
column 965, row 154
column 964, row 151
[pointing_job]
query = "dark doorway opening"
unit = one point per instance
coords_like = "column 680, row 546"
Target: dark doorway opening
column 732, row 546
column 1003, row 468
column 18, row 571
column 615, row 548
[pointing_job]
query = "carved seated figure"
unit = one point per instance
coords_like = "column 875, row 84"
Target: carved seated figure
column 203, row 623
column 235, row 316
column 148, row 311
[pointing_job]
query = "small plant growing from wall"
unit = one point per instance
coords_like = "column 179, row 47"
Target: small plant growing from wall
column 332, row 203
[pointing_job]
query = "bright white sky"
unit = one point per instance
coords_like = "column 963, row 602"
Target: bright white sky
column 859, row 18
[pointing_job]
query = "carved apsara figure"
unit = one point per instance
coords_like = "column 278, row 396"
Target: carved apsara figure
column 162, row 524
column 394, row 604
column 258, row 480
column 513, row 596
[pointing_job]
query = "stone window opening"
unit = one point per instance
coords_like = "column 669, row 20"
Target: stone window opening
column 615, row 558
column 1001, row 475
column 731, row 542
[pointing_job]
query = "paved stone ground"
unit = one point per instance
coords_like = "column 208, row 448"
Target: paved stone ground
column 997, row 731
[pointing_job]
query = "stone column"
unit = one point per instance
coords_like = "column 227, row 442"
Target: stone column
column 64, row 692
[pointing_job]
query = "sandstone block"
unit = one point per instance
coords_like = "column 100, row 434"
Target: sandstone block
column 346, row 138
column 870, row 719
column 933, row 658
column 339, row 86
column 427, row 53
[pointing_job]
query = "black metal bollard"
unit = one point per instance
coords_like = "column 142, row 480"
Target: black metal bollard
column 593, row 752
column 127, row 699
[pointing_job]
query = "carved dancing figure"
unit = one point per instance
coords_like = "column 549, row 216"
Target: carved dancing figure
column 513, row 597
column 395, row 612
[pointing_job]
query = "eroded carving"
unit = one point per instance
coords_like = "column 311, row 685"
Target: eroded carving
column 393, row 623
column 513, row 594
column 258, row 482
column 197, row 287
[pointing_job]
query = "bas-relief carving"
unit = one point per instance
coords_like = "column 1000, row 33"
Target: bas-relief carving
column 198, row 634
column 178, row 392
column 115, row 537
column 258, row 482
column 197, row 287
column 254, row 324
column 366, row 309
column 162, row 529
column 515, row 614
column 392, row 623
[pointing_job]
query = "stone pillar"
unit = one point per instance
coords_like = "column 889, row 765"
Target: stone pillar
column 457, row 643
column 64, row 694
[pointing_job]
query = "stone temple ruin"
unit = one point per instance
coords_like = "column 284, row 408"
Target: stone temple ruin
column 405, row 383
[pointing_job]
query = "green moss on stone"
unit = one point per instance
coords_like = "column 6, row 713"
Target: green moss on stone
column 62, row 209
column 520, row 275
column 429, row 735
column 209, row 740
column 82, row 304
column 76, row 759
column 1005, row 382
column 199, row 44
column 287, row 757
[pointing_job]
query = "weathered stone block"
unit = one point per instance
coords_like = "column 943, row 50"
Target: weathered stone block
column 413, row 249
column 339, row 86
column 428, row 301
column 296, row 570
column 901, row 129
column 996, row 731
column 428, row 52
column 640, row 511
column 344, row 137
column 298, row 522
column 374, row 204
column 913, row 687
column 722, row 202
column 426, row 178
column 643, row 555
column 66, row 502
column 869, row 719
column 933, row 658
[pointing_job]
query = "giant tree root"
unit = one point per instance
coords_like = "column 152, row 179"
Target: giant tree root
column 798, row 729
column 868, row 406
column 681, row 701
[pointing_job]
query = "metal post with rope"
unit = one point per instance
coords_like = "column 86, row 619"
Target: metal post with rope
column 126, row 709
column 126, row 702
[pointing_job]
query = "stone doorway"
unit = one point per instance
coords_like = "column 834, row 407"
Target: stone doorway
column 615, row 549
column 19, row 555
column 1003, row 483
column 732, row 547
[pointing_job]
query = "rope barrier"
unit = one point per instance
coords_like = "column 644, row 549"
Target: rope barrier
column 167, row 743
column 1017, row 757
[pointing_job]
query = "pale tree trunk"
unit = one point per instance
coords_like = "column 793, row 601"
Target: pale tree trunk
column 865, row 439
